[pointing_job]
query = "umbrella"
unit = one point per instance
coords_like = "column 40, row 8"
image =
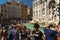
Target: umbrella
column 31, row 27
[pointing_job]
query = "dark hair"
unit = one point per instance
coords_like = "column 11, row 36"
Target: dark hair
column 51, row 25
column 36, row 25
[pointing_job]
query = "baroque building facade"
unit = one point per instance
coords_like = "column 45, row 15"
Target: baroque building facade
column 45, row 11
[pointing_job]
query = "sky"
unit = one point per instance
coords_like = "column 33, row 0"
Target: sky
column 27, row 2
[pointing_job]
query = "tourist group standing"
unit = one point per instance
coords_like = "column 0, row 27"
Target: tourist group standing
column 20, row 32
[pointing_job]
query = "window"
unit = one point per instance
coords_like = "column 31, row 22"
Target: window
column 43, row 4
column 53, row 12
column 39, row 13
column 36, row 13
column 49, row 12
column 43, row 11
column 40, row 1
column 55, row 17
column 52, row 18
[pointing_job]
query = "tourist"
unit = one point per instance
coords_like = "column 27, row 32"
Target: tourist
column 24, row 33
column 50, row 33
column 37, row 33
column 4, row 33
column 12, row 33
column 0, row 32
column 58, row 32
column 18, row 34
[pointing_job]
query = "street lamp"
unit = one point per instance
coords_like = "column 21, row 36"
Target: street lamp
column 59, row 11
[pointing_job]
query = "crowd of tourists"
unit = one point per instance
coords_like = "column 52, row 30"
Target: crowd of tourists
column 20, row 32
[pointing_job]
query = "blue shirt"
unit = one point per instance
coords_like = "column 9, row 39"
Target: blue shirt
column 50, row 34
